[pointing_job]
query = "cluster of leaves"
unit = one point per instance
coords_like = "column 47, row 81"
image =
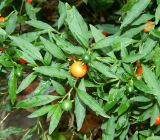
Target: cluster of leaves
column 111, row 70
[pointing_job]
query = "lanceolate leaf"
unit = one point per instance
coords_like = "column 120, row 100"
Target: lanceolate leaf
column 80, row 108
column 53, row 49
column 27, row 47
column 41, row 111
column 77, row 26
column 36, row 101
column 103, row 69
column 135, row 11
column 52, row 71
column 157, row 14
column 58, row 87
column 91, row 102
column 26, row 82
column 11, row 23
column 55, row 118
column 12, row 85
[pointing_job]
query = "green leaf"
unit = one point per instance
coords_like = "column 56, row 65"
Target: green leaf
column 31, row 11
column 38, row 100
column 104, row 69
column 142, row 19
column 91, row 102
column 27, row 47
column 12, row 83
column 123, row 107
column 151, row 80
column 42, row 87
column 97, row 34
column 9, row 131
column 157, row 14
column 124, row 133
column 11, row 23
column 77, row 26
column 63, row 14
column 55, row 118
column 140, row 99
column 52, row 71
column 58, row 87
column 135, row 11
column 4, row 3
column 109, row 129
column 80, row 108
column 135, row 136
column 26, row 82
column 40, row 112
column 153, row 138
column 132, row 58
column 41, row 25
column 141, row 86
column 53, row 49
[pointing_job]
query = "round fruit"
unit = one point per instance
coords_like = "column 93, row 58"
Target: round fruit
column 157, row 122
column 105, row 33
column 22, row 61
column 78, row 69
column 19, row 72
column 29, row 1
column 2, row 19
column 150, row 25
column 139, row 71
column 130, row 88
column 1, row 49
column 86, row 58
column 67, row 105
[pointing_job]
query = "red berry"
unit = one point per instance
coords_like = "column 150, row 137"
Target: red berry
column 22, row 61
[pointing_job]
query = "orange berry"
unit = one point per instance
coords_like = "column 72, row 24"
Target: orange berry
column 105, row 33
column 150, row 25
column 22, row 61
column 157, row 122
column 2, row 19
column 29, row 1
column 2, row 49
column 78, row 69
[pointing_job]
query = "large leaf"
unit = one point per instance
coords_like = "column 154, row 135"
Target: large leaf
column 77, row 26
column 80, row 108
column 135, row 11
column 12, row 85
column 53, row 49
column 52, row 71
column 27, row 47
column 26, row 82
column 55, row 118
column 36, row 101
column 91, row 102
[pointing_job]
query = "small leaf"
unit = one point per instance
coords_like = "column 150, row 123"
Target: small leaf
column 63, row 14
column 55, row 118
column 91, row 103
column 26, row 82
column 12, row 85
column 36, row 101
column 11, row 23
column 58, row 87
column 157, row 14
column 40, row 112
column 80, row 108
column 154, row 114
